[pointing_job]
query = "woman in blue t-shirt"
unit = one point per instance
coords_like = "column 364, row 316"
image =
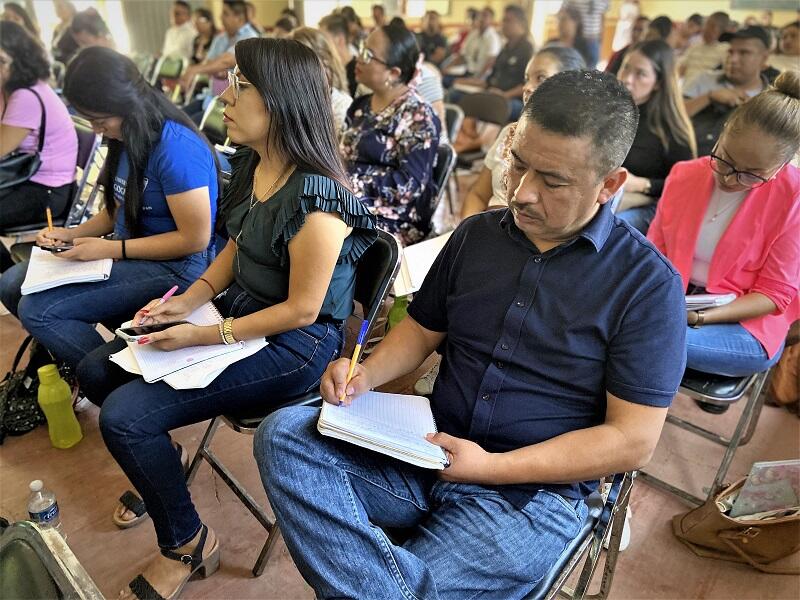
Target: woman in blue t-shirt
column 287, row 273
column 161, row 186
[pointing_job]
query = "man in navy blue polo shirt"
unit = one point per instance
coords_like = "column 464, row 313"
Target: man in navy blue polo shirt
column 562, row 334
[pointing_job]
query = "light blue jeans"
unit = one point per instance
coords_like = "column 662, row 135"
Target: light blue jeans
column 726, row 349
column 333, row 501
column 63, row 318
column 640, row 217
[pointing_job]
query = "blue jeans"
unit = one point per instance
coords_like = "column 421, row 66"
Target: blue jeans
column 63, row 319
column 726, row 349
column 593, row 50
column 136, row 417
column 639, row 217
column 332, row 501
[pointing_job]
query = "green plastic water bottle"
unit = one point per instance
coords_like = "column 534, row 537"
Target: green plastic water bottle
column 55, row 398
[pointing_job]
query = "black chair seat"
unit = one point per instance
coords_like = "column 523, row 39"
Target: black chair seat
column 467, row 159
column 595, row 504
column 21, row 252
column 33, row 226
column 717, row 387
column 252, row 419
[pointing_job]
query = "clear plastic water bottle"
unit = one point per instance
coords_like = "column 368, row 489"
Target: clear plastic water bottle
column 43, row 508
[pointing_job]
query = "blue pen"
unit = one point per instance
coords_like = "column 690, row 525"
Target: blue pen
column 354, row 361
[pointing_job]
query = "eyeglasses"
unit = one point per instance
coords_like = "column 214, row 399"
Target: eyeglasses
column 726, row 169
column 236, row 83
column 365, row 55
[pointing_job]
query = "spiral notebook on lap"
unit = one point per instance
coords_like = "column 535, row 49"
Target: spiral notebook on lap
column 392, row 424
column 156, row 364
column 47, row 271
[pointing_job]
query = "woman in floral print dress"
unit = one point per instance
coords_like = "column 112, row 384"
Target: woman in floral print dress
column 389, row 148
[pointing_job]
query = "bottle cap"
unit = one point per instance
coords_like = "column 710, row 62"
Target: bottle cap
column 36, row 485
column 47, row 372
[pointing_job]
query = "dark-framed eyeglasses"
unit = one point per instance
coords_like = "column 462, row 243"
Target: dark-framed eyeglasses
column 744, row 178
column 235, row 83
column 365, row 55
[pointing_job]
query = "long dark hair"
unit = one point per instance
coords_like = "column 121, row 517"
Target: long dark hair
column 29, row 60
column 17, row 9
column 294, row 86
column 101, row 81
column 666, row 114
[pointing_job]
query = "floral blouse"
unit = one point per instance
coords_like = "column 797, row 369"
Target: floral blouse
column 390, row 158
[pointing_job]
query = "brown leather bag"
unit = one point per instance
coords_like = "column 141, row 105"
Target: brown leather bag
column 710, row 533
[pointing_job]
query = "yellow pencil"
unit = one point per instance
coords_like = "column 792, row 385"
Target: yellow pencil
column 354, row 361
column 49, row 219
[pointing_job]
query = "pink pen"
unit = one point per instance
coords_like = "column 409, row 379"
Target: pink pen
column 168, row 295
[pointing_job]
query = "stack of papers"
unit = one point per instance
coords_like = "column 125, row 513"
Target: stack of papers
column 701, row 301
column 392, row 424
column 47, row 271
column 416, row 262
column 186, row 368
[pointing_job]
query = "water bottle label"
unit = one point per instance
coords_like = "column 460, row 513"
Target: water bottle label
column 45, row 516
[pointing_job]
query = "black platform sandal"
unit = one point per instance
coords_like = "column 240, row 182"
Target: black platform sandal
column 142, row 589
column 131, row 501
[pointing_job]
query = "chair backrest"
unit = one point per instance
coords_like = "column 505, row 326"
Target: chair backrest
column 212, row 124
column 168, row 67
column 454, row 117
column 491, row 108
column 375, row 274
column 445, row 163
column 144, row 62
column 88, row 146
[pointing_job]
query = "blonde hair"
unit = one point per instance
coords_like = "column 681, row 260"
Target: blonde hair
column 775, row 111
column 321, row 45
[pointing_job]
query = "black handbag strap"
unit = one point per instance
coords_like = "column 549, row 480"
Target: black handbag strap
column 43, row 122
column 22, row 347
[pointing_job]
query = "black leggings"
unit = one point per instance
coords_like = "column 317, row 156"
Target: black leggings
column 25, row 203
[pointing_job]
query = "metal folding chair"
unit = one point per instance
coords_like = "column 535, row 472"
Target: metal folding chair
column 375, row 274
column 486, row 107
column 168, row 67
column 605, row 520
column 453, row 116
column 722, row 392
column 445, row 165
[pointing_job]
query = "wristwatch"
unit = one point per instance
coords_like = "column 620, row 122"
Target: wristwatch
column 648, row 187
column 701, row 317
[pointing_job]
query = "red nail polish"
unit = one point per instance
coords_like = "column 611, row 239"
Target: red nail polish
column 141, row 341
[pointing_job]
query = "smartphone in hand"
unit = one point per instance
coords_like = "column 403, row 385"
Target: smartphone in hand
column 57, row 249
column 131, row 334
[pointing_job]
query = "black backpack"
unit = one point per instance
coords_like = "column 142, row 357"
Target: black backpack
column 19, row 408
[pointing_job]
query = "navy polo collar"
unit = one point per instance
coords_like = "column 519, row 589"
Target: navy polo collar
column 596, row 232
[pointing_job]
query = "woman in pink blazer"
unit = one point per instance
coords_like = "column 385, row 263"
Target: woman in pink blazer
column 730, row 223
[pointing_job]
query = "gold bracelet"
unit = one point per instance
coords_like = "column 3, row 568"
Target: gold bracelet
column 222, row 333
column 227, row 331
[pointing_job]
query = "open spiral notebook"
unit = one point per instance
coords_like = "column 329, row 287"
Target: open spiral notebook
column 192, row 367
column 47, row 271
column 392, row 424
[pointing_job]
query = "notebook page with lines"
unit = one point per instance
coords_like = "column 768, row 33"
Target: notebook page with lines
column 392, row 424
